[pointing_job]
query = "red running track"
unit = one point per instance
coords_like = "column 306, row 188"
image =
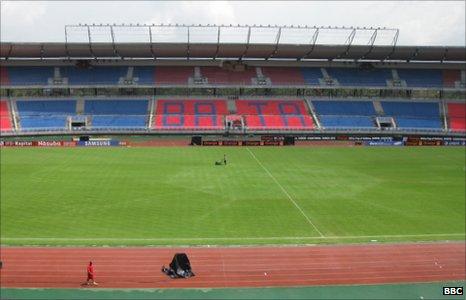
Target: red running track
column 235, row 267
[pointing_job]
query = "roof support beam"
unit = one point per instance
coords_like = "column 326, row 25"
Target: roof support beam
column 394, row 41
column 66, row 43
column 9, row 51
column 248, row 40
column 151, row 44
column 218, row 42
column 313, row 44
column 277, row 42
column 187, row 46
column 90, row 41
column 115, row 52
column 42, row 51
column 349, row 41
column 444, row 55
column 371, row 41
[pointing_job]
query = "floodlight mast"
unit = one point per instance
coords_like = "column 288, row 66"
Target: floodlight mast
column 277, row 43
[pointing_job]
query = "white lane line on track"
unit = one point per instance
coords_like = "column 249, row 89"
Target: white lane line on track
column 285, row 192
column 231, row 238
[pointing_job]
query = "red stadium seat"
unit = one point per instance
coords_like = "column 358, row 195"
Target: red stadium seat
column 457, row 113
column 173, row 75
column 4, row 80
column 275, row 114
column 5, row 121
column 216, row 75
column 450, row 76
column 190, row 114
column 284, row 75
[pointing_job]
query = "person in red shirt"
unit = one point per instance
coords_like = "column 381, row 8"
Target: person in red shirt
column 90, row 274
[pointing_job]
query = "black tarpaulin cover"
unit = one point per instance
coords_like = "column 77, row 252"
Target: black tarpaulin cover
column 180, row 267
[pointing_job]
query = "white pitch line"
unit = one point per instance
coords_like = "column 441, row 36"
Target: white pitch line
column 285, row 192
column 233, row 238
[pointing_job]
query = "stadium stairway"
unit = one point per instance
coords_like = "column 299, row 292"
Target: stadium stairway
column 313, row 113
column 378, row 108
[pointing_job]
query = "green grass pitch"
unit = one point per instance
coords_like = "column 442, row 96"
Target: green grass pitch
column 276, row 195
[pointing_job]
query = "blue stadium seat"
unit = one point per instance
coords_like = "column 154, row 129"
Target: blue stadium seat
column 119, row 121
column 29, row 75
column 345, row 114
column 357, row 77
column 355, row 108
column 311, row 75
column 43, row 122
column 413, row 109
column 346, row 121
column 414, row 114
column 117, row 113
column 45, row 114
column 421, row 78
column 405, row 122
column 145, row 75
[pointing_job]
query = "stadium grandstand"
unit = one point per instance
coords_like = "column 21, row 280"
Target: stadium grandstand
column 191, row 87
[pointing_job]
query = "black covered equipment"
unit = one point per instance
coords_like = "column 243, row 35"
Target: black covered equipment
column 180, row 267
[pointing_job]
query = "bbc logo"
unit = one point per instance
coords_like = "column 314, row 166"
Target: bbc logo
column 453, row 290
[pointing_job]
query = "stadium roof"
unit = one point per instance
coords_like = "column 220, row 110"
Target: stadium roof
column 231, row 51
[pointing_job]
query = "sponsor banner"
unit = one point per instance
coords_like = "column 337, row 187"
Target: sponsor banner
column 69, row 144
column 108, row 143
column 423, row 143
column 383, row 143
column 272, row 138
column 230, row 143
column 371, row 138
column 251, row 143
column 16, row 144
column 48, row 143
column 272, row 143
column 435, row 138
column 342, row 138
column 345, row 138
column 454, row 143
column 315, row 138
column 210, row 143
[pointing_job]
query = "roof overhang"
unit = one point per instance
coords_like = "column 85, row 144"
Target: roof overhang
column 231, row 51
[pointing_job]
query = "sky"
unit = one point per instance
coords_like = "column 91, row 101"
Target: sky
column 421, row 23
